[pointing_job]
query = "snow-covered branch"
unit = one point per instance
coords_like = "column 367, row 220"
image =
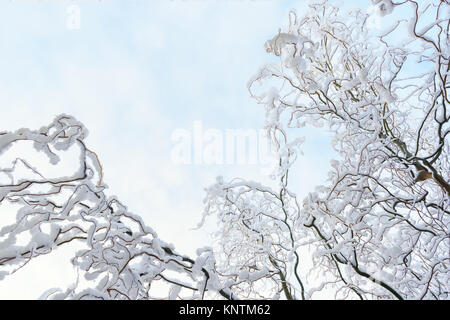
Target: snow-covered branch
column 119, row 256
column 380, row 227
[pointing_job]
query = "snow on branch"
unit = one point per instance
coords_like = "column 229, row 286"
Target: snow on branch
column 380, row 227
column 119, row 257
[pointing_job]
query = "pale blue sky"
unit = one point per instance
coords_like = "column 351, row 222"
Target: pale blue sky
column 134, row 72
